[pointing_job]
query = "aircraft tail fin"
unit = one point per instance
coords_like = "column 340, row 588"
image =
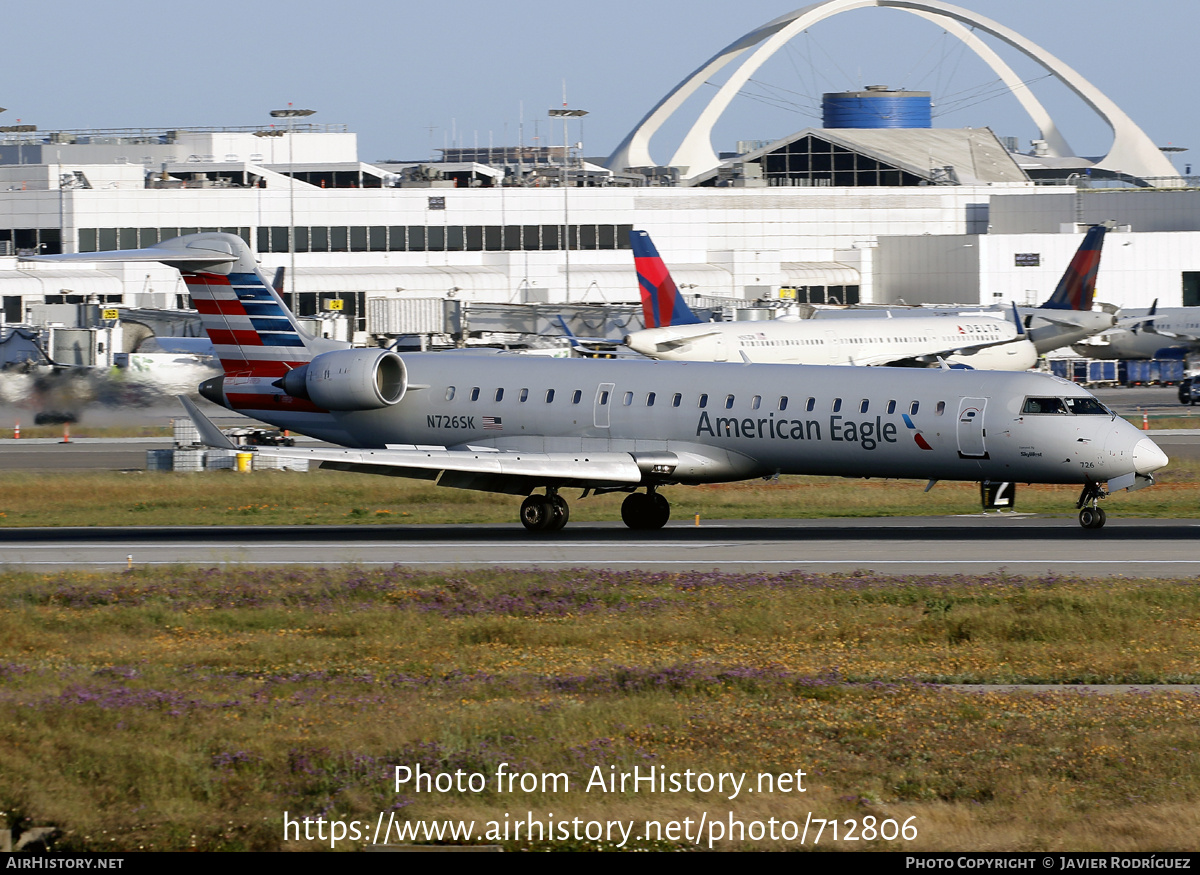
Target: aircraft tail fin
column 662, row 305
column 253, row 332
column 1078, row 285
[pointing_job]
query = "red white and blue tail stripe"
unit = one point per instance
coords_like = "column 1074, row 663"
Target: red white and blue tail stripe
column 252, row 332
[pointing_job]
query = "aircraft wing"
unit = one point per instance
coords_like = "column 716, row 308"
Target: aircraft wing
column 670, row 341
column 501, row 470
column 427, row 462
column 1131, row 322
column 596, row 347
column 965, row 349
column 1134, row 325
column 606, row 350
column 933, row 356
column 1062, row 323
column 884, row 360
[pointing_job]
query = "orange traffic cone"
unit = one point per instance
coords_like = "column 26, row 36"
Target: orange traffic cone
column 17, row 431
column 1145, row 421
column 66, row 433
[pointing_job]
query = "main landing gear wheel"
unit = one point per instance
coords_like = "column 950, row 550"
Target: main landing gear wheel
column 1092, row 517
column 536, row 513
column 645, row 510
column 545, row 513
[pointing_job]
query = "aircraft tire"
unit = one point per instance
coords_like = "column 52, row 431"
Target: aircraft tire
column 560, row 512
column 659, row 512
column 645, row 511
column 1092, row 518
column 633, row 510
column 536, row 513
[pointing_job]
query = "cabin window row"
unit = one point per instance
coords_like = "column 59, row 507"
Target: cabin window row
column 629, row 399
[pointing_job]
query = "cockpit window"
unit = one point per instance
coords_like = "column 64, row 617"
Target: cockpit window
column 1086, row 407
column 1044, row 405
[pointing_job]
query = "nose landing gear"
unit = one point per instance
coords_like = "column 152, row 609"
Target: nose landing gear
column 1091, row 515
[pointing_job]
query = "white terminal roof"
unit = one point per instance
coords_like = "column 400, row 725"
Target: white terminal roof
column 978, row 158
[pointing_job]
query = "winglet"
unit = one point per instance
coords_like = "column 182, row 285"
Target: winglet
column 1149, row 323
column 662, row 305
column 571, row 338
column 210, row 435
column 1017, row 320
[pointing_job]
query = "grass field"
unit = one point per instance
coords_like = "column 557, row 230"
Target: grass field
column 190, row 708
column 181, row 708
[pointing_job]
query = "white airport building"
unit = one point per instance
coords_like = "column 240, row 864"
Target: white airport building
column 890, row 212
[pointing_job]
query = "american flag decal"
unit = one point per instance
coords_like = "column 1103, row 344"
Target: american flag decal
column 492, row 423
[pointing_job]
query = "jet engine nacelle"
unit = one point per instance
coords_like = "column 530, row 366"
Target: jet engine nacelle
column 349, row 379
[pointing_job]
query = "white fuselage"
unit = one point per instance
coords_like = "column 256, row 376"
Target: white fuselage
column 714, row 422
column 1173, row 332
column 1049, row 328
column 978, row 341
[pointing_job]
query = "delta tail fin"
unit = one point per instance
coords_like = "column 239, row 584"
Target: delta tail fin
column 662, row 305
column 1078, row 285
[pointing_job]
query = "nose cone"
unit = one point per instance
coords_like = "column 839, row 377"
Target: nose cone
column 1147, row 457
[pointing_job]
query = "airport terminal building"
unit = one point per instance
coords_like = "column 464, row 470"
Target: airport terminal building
column 876, row 206
column 372, row 232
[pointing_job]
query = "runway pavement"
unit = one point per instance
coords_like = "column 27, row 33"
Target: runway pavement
column 1015, row 544
column 1012, row 543
column 94, row 454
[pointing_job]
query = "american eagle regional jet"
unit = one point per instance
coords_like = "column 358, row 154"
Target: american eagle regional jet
column 513, row 424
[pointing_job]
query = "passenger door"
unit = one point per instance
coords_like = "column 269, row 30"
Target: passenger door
column 971, row 431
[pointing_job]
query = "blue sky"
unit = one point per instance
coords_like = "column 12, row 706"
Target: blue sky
column 412, row 77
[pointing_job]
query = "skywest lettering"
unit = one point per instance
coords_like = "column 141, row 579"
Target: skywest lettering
column 868, row 434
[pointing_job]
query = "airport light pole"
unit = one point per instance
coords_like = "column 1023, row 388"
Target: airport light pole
column 565, row 114
column 291, row 114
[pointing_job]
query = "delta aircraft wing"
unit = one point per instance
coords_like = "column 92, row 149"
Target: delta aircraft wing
column 513, row 424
